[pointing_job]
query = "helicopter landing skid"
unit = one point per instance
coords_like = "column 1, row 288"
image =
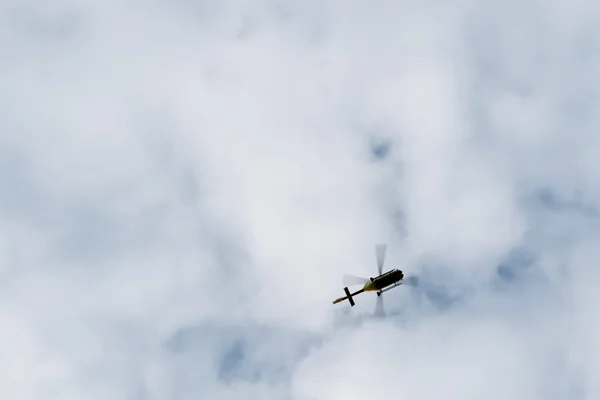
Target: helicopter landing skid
column 379, row 293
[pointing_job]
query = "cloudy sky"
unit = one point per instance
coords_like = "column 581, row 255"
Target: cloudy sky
column 185, row 183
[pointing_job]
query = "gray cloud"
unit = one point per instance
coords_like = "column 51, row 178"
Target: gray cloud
column 184, row 185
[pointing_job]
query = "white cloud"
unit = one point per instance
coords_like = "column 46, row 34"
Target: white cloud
column 205, row 168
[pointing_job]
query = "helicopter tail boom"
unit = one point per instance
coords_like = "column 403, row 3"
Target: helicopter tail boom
column 348, row 296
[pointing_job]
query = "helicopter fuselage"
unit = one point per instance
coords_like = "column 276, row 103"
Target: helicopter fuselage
column 384, row 280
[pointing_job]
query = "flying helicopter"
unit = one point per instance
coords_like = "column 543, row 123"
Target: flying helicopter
column 380, row 284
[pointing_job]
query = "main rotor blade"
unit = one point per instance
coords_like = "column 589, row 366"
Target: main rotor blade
column 380, row 251
column 379, row 310
column 350, row 280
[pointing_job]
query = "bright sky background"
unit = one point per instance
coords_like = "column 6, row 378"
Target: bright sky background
column 184, row 184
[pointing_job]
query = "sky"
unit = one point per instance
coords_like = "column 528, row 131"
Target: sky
column 184, row 185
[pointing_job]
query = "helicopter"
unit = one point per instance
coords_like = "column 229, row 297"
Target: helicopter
column 380, row 284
